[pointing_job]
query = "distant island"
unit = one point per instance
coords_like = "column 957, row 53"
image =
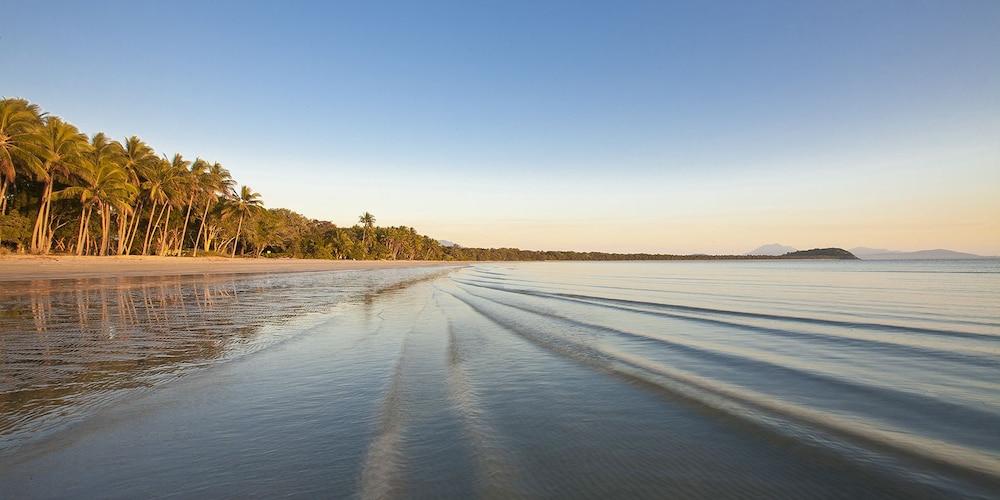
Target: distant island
column 820, row 253
column 866, row 253
column 935, row 254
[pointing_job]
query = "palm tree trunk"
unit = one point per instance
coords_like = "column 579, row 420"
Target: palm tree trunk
column 105, row 229
column 3, row 201
column 135, row 229
column 86, row 234
column 38, row 233
column 84, row 231
column 109, row 223
column 79, row 231
column 123, row 225
column 3, row 197
column 163, row 234
column 210, row 239
column 239, row 228
column 149, row 227
column 180, row 244
column 99, row 247
column 201, row 229
column 38, row 223
column 156, row 226
column 46, row 234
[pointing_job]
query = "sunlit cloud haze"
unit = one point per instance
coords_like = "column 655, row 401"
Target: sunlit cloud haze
column 702, row 127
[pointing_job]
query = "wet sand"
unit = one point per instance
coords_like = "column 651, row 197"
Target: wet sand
column 32, row 267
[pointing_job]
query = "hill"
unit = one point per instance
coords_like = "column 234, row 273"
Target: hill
column 935, row 254
column 773, row 249
column 821, row 253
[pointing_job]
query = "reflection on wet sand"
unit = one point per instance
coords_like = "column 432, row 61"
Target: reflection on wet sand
column 67, row 346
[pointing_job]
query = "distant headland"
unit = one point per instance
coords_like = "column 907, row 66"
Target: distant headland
column 460, row 253
column 865, row 253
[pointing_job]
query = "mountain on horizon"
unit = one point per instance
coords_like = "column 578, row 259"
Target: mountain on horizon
column 774, row 249
column 862, row 251
column 446, row 243
column 935, row 254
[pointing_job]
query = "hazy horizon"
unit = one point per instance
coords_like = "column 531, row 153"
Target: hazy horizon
column 652, row 127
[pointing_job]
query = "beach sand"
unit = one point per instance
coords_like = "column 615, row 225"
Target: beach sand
column 32, row 267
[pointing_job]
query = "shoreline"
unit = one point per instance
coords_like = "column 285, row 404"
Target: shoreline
column 36, row 267
column 50, row 267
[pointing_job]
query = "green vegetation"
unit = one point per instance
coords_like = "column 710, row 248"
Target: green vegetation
column 821, row 253
column 63, row 192
column 458, row 253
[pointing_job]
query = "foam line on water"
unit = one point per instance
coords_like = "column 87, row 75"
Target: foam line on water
column 775, row 317
column 708, row 392
column 987, row 360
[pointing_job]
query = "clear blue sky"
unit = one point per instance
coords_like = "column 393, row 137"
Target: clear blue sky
column 659, row 126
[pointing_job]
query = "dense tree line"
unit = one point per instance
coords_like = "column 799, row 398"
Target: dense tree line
column 459, row 253
column 64, row 192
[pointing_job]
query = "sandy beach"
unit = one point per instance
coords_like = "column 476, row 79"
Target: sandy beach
column 31, row 267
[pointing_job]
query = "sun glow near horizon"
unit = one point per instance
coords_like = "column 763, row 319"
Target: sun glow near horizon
column 913, row 207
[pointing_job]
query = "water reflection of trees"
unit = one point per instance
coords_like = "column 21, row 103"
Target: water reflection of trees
column 62, row 340
column 76, row 342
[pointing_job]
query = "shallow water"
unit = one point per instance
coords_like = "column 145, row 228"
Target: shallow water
column 670, row 379
column 69, row 346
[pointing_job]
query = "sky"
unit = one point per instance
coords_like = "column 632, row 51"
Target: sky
column 695, row 127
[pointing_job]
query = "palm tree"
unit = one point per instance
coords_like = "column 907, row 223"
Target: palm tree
column 215, row 183
column 109, row 183
column 138, row 158
column 59, row 145
column 175, row 190
column 102, row 184
column 367, row 220
column 195, row 186
column 18, row 120
column 245, row 203
column 158, row 187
